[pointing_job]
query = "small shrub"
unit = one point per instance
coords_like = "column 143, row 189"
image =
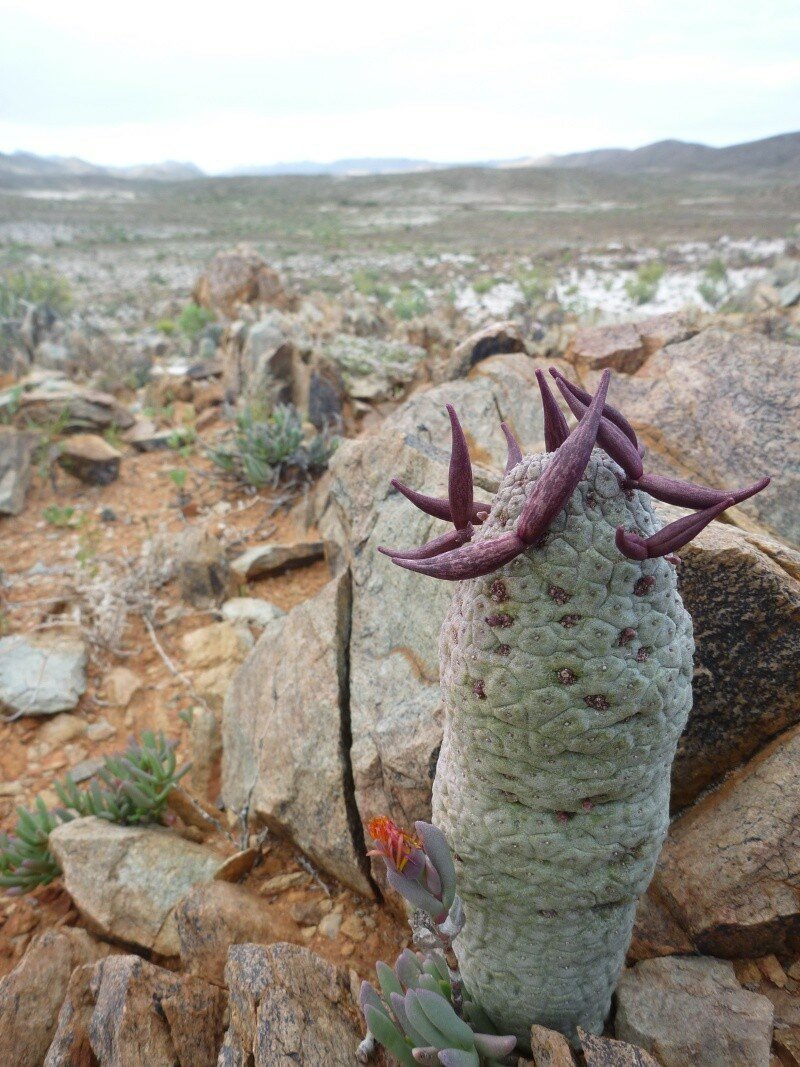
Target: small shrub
column 194, row 319
column 714, row 286
column 22, row 289
column 644, row 287
column 265, row 448
column 61, row 518
column 534, row 284
column 368, row 283
column 410, row 304
column 166, row 326
column 130, row 788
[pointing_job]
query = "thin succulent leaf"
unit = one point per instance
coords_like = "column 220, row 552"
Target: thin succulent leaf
column 399, row 1008
column 557, row 483
column 556, row 428
column 438, row 851
column 422, row 1023
column 442, row 1015
column 414, row 893
column 369, row 995
column 384, row 1031
column 495, row 1045
column 455, row 1057
column 407, row 969
column 433, row 985
column 388, row 980
column 436, row 964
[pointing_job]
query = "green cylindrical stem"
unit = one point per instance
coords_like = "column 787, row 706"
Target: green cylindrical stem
column 567, row 681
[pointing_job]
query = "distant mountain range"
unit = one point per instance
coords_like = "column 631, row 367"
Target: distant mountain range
column 780, row 154
column 28, row 165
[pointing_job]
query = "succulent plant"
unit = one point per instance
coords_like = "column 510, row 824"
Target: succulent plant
column 423, row 1014
column 129, row 788
column 566, row 670
column 25, row 858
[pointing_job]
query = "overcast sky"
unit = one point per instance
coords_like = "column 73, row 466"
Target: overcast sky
column 238, row 83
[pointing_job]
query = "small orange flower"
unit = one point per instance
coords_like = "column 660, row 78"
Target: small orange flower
column 394, row 843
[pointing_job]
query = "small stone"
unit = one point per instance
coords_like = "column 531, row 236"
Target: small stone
column 310, row 912
column 61, row 729
column 102, row 730
column 280, row 882
column 354, row 928
column 237, row 865
column 41, row 674
column 250, row 610
column 205, row 741
column 86, row 769
column 220, row 642
column 605, row 1052
column 330, row 925
column 90, row 458
column 201, row 567
column 550, row 1048
column 273, row 558
column 120, row 686
column 771, row 969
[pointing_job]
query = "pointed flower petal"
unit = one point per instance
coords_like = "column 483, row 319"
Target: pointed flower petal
column 448, row 541
column 609, row 436
column 437, row 506
column 609, row 411
column 557, row 484
column 514, row 451
column 556, row 428
column 470, row 561
column 672, row 537
column 689, row 495
column 460, row 488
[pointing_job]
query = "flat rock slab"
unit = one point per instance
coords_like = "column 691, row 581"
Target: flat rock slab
column 214, row 916
column 620, row 347
column 16, row 448
column 126, row 880
column 730, row 868
column 723, row 409
column 41, row 674
column 285, row 734
column 497, row 338
column 288, row 1007
column 90, row 458
column 126, row 1012
column 743, row 594
column 31, row 995
column 693, row 1011
column 272, row 558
